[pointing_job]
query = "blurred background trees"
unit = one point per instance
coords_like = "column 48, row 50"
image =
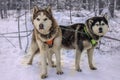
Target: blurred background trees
column 97, row 6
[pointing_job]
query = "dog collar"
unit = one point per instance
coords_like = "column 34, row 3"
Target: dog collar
column 93, row 41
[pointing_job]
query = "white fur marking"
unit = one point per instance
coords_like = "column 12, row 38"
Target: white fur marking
column 47, row 24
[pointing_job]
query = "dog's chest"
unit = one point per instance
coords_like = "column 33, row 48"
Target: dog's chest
column 87, row 44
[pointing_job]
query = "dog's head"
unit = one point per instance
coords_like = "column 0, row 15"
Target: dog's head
column 98, row 25
column 42, row 19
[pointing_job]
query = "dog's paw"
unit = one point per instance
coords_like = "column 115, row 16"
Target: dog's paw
column 53, row 66
column 59, row 72
column 46, row 63
column 43, row 76
column 26, row 62
column 79, row 70
column 93, row 68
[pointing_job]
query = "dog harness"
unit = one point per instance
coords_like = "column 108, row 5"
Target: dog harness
column 50, row 43
column 93, row 41
column 47, row 36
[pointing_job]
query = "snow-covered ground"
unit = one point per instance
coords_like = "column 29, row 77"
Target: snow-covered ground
column 107, row 59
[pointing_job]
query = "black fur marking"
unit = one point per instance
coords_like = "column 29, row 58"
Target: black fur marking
column 99, row 19
column 68, row 37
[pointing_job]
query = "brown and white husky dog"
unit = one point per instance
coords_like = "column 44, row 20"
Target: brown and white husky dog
column 84, row 37
column 46, row 38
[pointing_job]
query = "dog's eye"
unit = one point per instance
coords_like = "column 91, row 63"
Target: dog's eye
column 97, row 24
column 45, row 19
column 38, row 19
column 102, row 24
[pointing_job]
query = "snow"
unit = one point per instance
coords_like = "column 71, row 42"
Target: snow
column 107, row 59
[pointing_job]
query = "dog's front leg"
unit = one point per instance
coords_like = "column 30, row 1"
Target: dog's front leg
column 44, row 64
column 58, row 63
column 43, row 52
column 90, row 58
column 50, row 62
column 77, row 60
column 31, row 52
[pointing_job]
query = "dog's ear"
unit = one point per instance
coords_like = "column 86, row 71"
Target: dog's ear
column 48, row 9
column 90, row 21
column 105, row 16
column 35, row 9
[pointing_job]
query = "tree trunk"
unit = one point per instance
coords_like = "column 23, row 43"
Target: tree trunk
column 118, row 4
column 101, row 6
column 58, row 6
column 50, row 2
column 95, row 7
column 89, row 5
column 70, row 12
column 5, row 9
column 84, row 4
column 1, row 12
column 81, row 3
column 111, row 8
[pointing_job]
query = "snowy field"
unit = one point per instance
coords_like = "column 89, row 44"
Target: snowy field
column 106, row 59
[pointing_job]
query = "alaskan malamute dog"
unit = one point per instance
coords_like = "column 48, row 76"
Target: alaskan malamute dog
column 84, row 37
column 46, row 38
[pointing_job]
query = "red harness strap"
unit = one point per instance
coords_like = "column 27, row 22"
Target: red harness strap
column 50, row 43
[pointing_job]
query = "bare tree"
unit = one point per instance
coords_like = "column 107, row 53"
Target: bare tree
column 101, row 6
column 57, row 4
column 94, row 8
column 84, row 4
column 111, row 8
column 70, row 12
column 90, row 2
column 3, row 9
column 118, row 4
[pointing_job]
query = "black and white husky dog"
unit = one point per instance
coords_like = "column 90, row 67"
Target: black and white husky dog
column 84, row 37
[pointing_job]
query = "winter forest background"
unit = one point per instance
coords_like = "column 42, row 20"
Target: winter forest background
column 16, row 31
column 69, row 11
column 91, row 5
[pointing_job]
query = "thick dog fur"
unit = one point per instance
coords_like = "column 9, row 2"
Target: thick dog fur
column 79, row 36
column 45, row 29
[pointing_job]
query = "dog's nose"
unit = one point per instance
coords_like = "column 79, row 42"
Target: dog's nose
column 100, row 30
column 41, row 26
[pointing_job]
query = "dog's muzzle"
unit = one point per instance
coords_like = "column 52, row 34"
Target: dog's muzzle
column 41, row 26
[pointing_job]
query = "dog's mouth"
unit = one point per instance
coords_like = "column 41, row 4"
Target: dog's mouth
column 100, row 31
column 101, row 36
column 41, row 26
